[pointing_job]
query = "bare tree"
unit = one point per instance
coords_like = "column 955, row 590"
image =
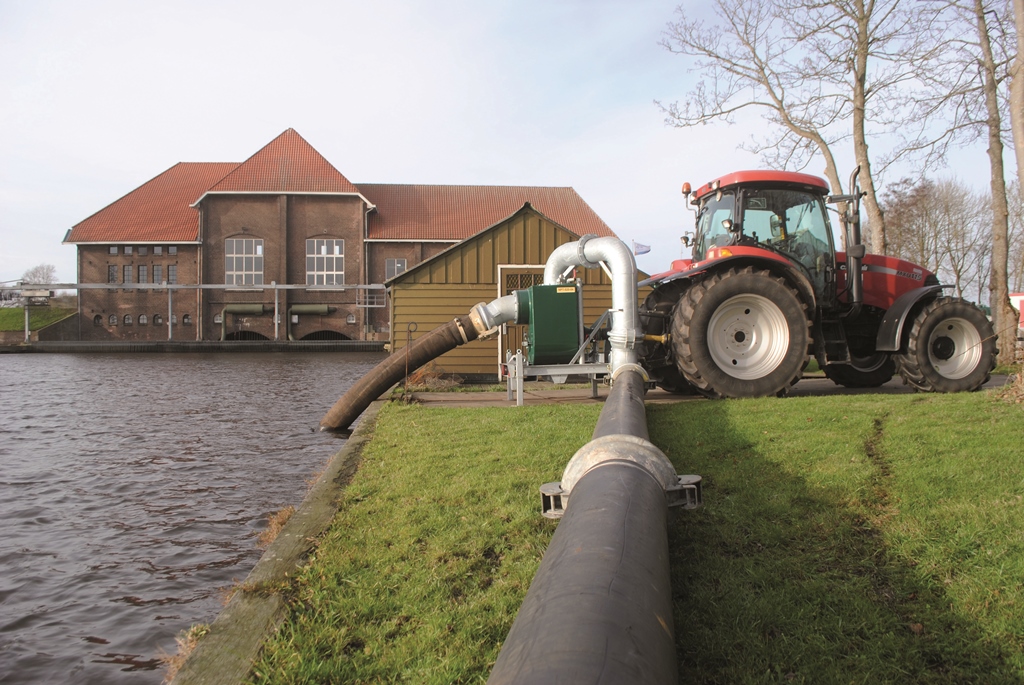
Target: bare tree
column 1015, row 201
column 941, row 225
column 965, row 91
column 40, row 275
column 820, row 71
column 962, row 235
column 1017, row 93
column 910, row 227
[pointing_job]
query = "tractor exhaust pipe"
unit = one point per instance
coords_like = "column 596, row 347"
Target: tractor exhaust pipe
column 599, row 609
column 855, row 249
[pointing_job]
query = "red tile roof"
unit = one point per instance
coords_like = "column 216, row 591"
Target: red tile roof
column 287, row 164
column 162, row 210
column 454, row 213
column 158, row 210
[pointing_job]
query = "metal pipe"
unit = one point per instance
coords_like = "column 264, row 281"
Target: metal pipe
column 315, row 309
column 257, row 309
column 599, row 608
column 590, row 252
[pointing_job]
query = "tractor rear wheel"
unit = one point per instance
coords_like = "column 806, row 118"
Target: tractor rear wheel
column 673, row 382
column 951, row 348
column 740, row 333
column 870, row 371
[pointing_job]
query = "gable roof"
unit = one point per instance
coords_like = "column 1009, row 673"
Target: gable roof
column 287, row 164
column 158, row 210
column 456, row 212
column 164, row 208
column 518, row 238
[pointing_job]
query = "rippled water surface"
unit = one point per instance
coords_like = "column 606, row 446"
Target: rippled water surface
column 131, row 491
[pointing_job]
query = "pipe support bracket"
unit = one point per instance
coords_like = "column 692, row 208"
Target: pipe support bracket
column 680, row 491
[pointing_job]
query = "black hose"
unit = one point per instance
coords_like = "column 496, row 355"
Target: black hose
column 623, row 412
column 599, row 609
column 395, row 368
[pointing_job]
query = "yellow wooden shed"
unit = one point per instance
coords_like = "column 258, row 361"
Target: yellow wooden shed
column 509, row 255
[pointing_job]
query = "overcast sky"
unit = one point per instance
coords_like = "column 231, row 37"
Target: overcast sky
column 100, row 97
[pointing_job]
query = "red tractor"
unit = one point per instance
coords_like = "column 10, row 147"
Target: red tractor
column 766, row 289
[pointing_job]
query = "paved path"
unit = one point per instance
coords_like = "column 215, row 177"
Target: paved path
column 546, row 393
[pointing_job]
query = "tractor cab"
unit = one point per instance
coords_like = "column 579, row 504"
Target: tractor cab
column 783, row 213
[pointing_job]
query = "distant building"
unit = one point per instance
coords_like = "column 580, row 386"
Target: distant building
column 320, row 246
column 1017, row 301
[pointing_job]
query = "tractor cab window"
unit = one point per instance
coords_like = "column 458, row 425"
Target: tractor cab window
column 713, row 223
column 791, row 222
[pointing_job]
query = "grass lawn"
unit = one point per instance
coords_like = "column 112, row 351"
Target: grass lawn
column 13, row 318
column 851, row 539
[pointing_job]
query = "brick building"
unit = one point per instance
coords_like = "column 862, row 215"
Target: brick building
column 282, row 232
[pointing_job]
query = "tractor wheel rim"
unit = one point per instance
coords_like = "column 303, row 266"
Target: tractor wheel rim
column 954, row 348
column 748, row 336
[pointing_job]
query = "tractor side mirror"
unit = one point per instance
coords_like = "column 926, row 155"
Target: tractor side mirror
column 686, row 239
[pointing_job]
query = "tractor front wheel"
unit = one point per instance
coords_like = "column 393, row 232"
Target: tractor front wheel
column 740, row 333
column 863, row 372
column 951, row 348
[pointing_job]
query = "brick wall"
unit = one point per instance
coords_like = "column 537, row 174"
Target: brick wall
column 94, row 261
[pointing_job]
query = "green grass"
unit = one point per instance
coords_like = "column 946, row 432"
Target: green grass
column 853, row 539
column 13, row 318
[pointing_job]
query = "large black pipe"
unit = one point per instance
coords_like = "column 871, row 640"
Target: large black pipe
column 395, row 368
column 599, row 609
column 623, row 412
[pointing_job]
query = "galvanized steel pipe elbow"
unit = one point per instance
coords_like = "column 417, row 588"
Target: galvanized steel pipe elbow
column 589, row 251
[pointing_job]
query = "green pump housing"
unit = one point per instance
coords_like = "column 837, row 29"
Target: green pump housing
column 553, row 313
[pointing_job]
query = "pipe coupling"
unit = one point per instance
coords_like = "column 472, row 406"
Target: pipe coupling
column 635, row 368
column 487, row 317
column 629, row 448
column 581, row 248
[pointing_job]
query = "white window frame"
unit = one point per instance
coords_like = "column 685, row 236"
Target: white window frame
column 325, row 262
column 243, row 261
column 394, row 266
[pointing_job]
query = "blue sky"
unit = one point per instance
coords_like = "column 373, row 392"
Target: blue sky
column 99, row 97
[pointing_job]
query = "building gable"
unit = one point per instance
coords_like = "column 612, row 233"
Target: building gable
column 287, row 164
column 525, row 237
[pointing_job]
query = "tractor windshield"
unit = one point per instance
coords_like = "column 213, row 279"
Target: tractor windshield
column 791, row 222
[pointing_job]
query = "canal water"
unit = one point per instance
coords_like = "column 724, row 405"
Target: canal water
column 132, row 489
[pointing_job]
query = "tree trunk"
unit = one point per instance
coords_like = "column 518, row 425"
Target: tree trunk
column 1004, row 318
column 1017, row 93
column 875, row 217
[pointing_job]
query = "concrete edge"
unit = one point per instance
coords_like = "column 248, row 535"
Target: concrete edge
column 226, row 653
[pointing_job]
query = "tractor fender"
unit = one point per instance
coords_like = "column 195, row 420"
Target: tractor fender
column 890, row 331
column 780, row 266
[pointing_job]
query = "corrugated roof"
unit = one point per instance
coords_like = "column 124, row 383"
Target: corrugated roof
column 158, row 210
column 442, row 212
column 287, row 164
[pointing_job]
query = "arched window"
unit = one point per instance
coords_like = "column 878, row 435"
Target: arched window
column 243, row 261
column 325, row 262
column 158, row 320
column 186, row 320
column 174, row 319
column 113, row 319
column 143, row 320
column 97, row 320
column 127, row 319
